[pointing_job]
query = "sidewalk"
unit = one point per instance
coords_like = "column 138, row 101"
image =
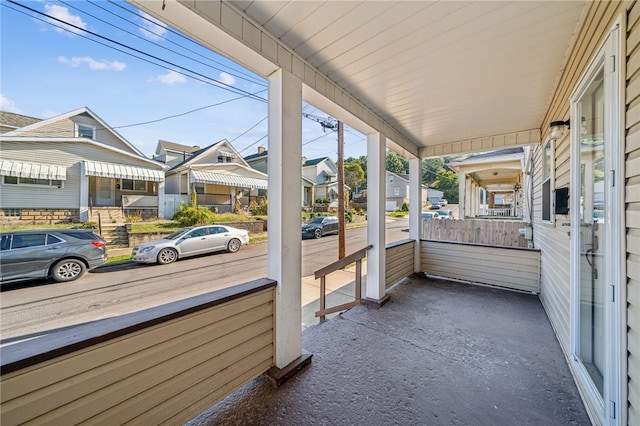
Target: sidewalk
column 340, row 289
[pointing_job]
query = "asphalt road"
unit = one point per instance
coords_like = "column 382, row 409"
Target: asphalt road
column 29, row 310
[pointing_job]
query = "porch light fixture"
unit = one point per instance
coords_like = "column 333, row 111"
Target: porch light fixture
column 556, row 129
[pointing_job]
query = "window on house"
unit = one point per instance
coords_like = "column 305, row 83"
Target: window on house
column 84, row 131
column 134, row 185
column 13, row 180
column 547, row 178
column 390, row 179
column 199, row 188
column 12, row 212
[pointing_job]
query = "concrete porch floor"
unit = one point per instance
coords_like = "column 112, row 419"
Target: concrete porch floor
column 438, row 353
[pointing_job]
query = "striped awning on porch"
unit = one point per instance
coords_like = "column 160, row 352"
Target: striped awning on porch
column 122, row 171
column 32, row 170
column 237, row 181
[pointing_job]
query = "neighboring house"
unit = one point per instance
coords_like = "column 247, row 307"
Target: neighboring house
column 220, row 176
column 398, row 191
column 324, row 173
column 172, row 153
column 71, row 167
column 494, row 184
column 259, row 161
column 10, row 121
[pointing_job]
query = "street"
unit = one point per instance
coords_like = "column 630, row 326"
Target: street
column 30, row 309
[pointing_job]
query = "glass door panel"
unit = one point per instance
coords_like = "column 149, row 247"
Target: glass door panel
column 593, row 214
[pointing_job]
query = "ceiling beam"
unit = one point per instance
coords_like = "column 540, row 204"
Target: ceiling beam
column 487, row 143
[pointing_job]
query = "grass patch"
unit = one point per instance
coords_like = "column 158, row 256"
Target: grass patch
column 155, row 227
column 398, row 214
column 118, row 258
column 26, row 227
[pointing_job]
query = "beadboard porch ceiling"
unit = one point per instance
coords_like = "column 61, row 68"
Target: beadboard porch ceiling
column 439, row 72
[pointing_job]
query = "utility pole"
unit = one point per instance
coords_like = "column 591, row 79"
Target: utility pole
column 329, row 124
column 341, row 201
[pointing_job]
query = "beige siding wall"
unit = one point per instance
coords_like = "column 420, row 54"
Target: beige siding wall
column 499, row 266
column 552, row 238
column 66, row 128
column 164, row 374
column 65, row 154
column 399, row 258
column 632, row 210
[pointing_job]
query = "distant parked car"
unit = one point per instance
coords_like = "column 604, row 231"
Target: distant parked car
column 445, row 214
column 430, row 215
column 435, row 206
column 191, row 241
column 62, row 254
column 320, row 226
column 443, row 202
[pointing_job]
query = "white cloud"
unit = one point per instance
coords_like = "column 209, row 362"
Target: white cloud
column 227, row 79
column 63, row 14
column 171, row 77
column 8, row 105
column 93, row 65
column 151, row 28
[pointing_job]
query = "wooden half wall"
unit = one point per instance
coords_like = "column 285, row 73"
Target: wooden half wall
column 163, row 365
column 508, row 267
column 399, row 261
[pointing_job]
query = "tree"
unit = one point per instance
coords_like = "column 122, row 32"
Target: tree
column 362, row 162
column 353, row 175
column 395, row 163
column 430, row 168
column 447, row 182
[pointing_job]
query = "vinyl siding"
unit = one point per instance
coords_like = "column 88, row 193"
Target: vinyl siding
column 163, row 374
column 399, row 262
column 497, row 266
column 632, row 211
column 68, row 154
column 66, row 128
column 553, row 238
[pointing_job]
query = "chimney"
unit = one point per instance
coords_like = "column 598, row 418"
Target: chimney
column 261, row 149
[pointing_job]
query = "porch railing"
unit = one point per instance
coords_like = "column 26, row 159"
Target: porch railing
column 166, row 364
column 322, row 274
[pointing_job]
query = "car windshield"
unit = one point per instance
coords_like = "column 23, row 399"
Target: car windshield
column 316, row 221
column 177, row 234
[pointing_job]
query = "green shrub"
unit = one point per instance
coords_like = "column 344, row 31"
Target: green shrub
column 348, row 215
column 259, row 209
column 89, row 225
column 190, row 216
column 133, row 219
column 405, row 207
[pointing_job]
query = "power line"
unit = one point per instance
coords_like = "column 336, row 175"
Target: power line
column 228, row 71
column 216, row 82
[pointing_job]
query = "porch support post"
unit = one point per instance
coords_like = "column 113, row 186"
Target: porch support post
column 284, row 247
column 415, row 208
column 376, row 191
column 462, row 186
column 84, row 193
column 161, row 205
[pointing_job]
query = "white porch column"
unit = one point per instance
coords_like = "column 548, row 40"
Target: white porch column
column 415, row 208
column 462, row 185
column 84, row 193
column 376, row 194
column 161, row 206
column 284, row 255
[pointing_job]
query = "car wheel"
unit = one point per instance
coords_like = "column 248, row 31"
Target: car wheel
column 68, row 270
column 317, row 233
column 167, row 255
column 233, row 245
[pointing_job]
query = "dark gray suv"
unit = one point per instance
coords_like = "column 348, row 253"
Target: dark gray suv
column 62, row 254
column 320, row 226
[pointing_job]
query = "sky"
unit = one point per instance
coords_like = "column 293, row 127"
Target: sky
column 145, row 80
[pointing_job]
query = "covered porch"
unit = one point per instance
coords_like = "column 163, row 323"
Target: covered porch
column 438, row 353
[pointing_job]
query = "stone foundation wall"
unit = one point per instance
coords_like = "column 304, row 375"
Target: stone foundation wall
column 42, row 216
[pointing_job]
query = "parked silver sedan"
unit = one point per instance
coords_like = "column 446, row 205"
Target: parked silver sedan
column 191, row 241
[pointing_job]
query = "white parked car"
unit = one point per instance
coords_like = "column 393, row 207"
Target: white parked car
column 191, row 241
column 443, row 202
